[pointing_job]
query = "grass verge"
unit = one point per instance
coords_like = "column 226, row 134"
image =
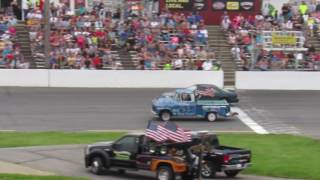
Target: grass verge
column 21, row 139
column 273, row 155
column 27, row 177
column 279, row 155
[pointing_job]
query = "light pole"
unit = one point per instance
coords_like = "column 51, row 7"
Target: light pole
column 47, row 32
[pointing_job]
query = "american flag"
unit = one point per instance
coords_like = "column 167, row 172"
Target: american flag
column 209, row 92
column 173, row 132
column 153, row 132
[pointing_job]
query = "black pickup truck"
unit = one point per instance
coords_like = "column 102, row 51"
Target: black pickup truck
column 137, row 152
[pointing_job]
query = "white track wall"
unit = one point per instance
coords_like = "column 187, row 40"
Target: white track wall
column 24, row 77
column 133, row 78
column 281, row 80
column 106, row 78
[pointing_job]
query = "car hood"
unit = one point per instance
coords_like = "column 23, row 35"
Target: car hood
column 168, row 94
column 164, row 98
column 103, row 143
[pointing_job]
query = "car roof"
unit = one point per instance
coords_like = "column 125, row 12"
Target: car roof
column 181, row 90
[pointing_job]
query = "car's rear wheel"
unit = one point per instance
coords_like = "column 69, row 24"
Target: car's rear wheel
column 165, row 115
column 211, row 116
column 165, row 173
column 97, row 166
column 233, row 173
column 208, row 170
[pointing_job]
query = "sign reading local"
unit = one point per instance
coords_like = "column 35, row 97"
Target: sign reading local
column 185, row 4
column 233, row 5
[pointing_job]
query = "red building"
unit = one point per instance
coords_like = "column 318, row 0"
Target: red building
column 211, row 10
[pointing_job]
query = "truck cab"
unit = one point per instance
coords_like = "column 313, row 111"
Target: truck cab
column 186, row 103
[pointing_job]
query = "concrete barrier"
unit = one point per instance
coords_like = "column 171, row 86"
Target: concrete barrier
column 277, row 80
column 24, row 77
column 132, row 78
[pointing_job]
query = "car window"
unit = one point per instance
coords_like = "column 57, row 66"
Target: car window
column 186, row 97
column 129, row 143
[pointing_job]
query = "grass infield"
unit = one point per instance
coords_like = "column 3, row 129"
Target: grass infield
column 284, row 156
column 28, row 177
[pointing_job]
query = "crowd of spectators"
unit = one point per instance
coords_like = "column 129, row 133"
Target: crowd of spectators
column 168, row 41
column 85, row 40
column 10, row 56
column 245, row 35
column 78, row 41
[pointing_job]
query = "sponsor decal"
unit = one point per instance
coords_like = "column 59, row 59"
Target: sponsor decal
column 218, row 5
column 198, row 6
column 246, row 5
column 233, row 5
column 122, row 155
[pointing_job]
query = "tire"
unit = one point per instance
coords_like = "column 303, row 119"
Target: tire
column 232, row 173
column 211, row 116
column 165, row 173
column 97, row 166
column 165, row 115
column 208, row 170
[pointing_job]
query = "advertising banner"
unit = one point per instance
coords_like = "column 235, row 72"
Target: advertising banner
column 232, row 5
column 186, row 5
column 288, row 39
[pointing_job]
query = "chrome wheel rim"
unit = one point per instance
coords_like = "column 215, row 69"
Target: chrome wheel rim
column 165, row 116
column 212, row 117
column 163, row 175
column 206, row 171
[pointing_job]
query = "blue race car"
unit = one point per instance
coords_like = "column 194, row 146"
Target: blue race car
column 190, row 103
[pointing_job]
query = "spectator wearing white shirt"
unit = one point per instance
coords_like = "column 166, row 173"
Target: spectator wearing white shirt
column 178, row 64
column 207, row 65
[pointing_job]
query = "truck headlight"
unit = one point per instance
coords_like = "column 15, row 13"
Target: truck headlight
column 87, row 150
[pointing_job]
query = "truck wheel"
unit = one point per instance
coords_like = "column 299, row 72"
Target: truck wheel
column 211, row 116
column 165, row 115
column 207, row 170
column 231, row 173
column 165, row 173
column 97, row 166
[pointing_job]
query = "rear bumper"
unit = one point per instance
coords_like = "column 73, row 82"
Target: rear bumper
column 232, row 114
column 235, row 167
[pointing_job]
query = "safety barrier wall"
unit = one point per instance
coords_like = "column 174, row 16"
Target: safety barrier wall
column 277, row 80
column 112, row 79
column 133, row 78
column 24, row 77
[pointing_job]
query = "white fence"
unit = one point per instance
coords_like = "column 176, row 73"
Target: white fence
column 111, row 79
column 254, row 80
column 272, row 80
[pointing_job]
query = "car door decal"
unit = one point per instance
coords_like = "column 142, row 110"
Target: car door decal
column 122, row 155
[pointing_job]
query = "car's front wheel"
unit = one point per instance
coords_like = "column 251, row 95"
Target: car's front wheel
column 165, row 115
column 165, row 173
column 211, row 116
column 97, row 166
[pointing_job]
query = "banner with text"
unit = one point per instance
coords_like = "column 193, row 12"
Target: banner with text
column 186, row 5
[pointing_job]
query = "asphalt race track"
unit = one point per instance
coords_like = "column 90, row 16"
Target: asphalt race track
column 289, row 112
column 72, row 109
